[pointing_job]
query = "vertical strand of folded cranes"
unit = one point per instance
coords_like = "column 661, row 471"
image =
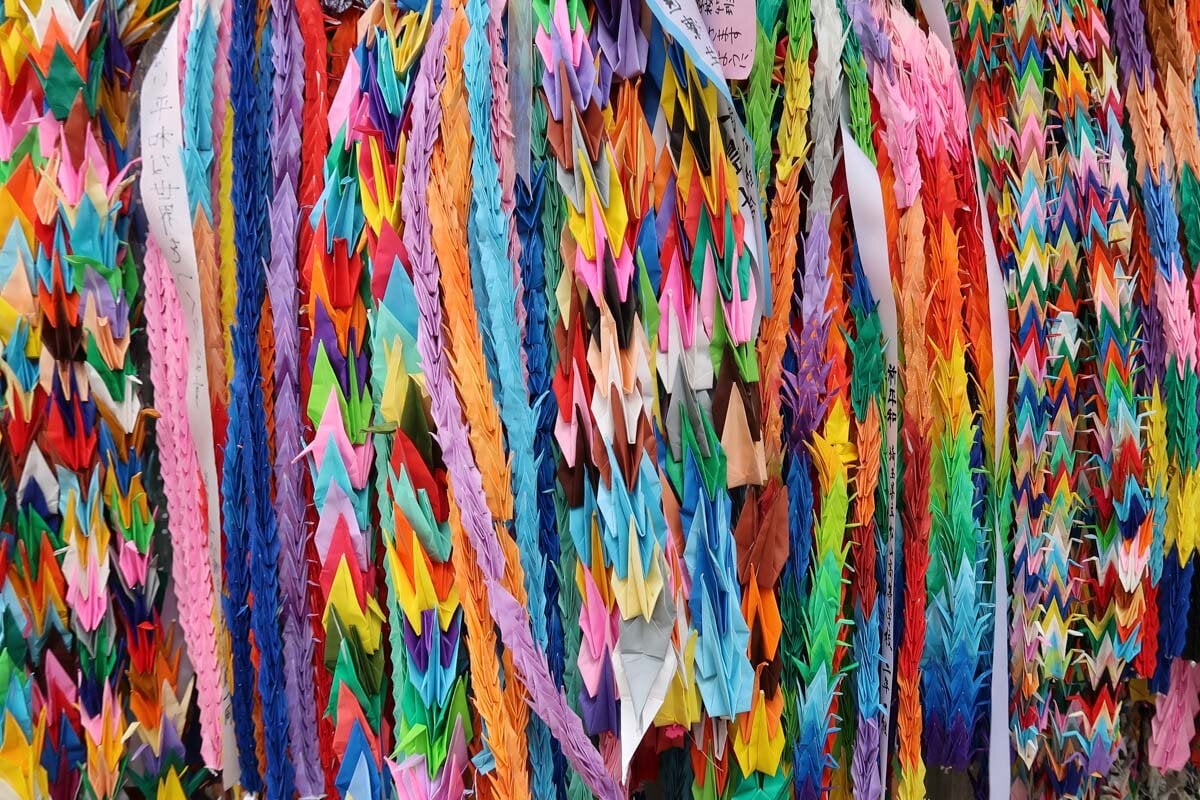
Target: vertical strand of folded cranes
column 184, row 490
column 855, row 65
column 494, row 575
column 706, row 299
column 314, row 145
column 264, row 83
column 499, row 315
column 388, row 50
column 763, row 549
column 338, row 407
column 155, row 705
column 1084, row 710
column 252, row 545
column 1055, row 599
column 1086, row 729
column 1171, row 576
column 616, row 290
column 381, row 150
column 561, row 38
column 392, row 391
column 868, row 392
column 1116, row 264
column 263, row 184
column 223, row 212
column 974, row 29
column 93, row 430
column 632, row 566
column 558, row 27
column 430, row 681
column 603, row 380
column 831, row 88
column 1170, row 357
column 839, row 429
column 857, row 335
column 1188, row 27
column 900, row 178
column 959, row 607
column 498, row 699
column 762, row 530
column 503, row 313
column 1028, row 288
column 643, row 257
column 288, row 470
column 1068, row 147
column 790, row 425
column 901, row 95
column 223, row 114
column 821, row 380
column 988, row 458
column 560, row 571
column 900, row 182
column 863, row 386
column 1144, row 130
column 980, row 35
column 925, row 690
column 1173, row 724
column 51, row 458
column 345, row 67
column 535, row 200
column 30, row 618
column 198, row 154
column 235, row 546
column 199, row 43
column 867, row 532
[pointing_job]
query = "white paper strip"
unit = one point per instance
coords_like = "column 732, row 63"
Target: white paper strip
column 866, row 204
column 165, row 200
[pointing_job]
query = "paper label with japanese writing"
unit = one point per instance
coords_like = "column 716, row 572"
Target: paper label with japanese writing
column 165, row 200
column 732, row 28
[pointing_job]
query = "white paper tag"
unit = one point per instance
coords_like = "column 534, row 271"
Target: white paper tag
column 165, row 200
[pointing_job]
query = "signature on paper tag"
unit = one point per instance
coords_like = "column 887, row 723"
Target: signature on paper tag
column 732, row 27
